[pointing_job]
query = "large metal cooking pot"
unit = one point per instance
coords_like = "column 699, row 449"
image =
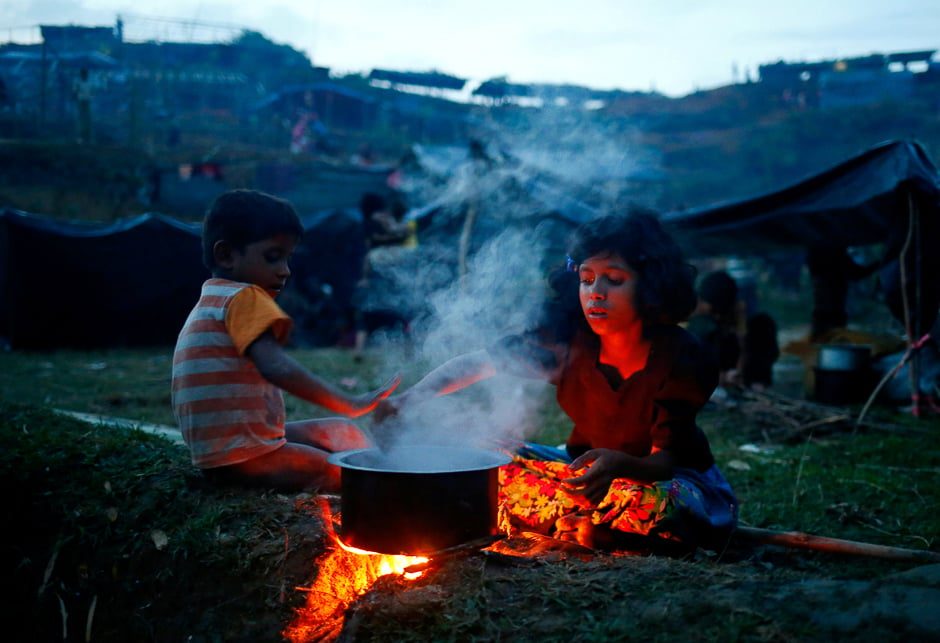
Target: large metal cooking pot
column 842, row 374
column 419, row 499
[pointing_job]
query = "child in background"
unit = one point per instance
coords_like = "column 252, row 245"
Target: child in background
column 715, row 321
column 743, row 342
column 637, row 471
column 229, row 366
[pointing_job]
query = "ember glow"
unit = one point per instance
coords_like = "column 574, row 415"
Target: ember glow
column 389, row 563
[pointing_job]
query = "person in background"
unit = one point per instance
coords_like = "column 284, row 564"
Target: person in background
column 636, row 471
column 377, row 305
column 310, row 135
column 382, row 221
column 744, row 345
column 364, row 156
column 757, row 330
column 230, row 367
column 761, row 351
column 715, row 322
column 832, row 269
column 82, row 92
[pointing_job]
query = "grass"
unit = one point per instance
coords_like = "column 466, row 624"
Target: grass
column 855, row 479
column 120, row 515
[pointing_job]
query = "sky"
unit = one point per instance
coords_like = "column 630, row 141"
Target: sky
column 671, row 46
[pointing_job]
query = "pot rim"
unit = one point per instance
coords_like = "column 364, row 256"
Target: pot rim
column 496, row 459
column 846, row 348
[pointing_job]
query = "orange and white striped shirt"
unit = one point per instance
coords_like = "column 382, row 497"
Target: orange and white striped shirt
column 227, row 411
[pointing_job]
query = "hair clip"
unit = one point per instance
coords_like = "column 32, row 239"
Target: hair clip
column 570, row 265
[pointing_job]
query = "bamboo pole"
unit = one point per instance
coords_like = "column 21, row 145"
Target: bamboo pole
column 466, row 233
column 800, row 540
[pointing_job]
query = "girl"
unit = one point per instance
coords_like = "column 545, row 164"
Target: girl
column 636, row 466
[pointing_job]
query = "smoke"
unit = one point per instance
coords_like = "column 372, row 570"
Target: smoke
column 501, row 293
column 558, row 162
column 599, row 158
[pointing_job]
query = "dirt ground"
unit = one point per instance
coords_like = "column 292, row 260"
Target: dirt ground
column 279, row 575
column 295, row 584
column 110, row 536
column 528, row 589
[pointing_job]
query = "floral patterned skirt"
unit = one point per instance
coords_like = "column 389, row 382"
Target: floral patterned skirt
column 692, row 508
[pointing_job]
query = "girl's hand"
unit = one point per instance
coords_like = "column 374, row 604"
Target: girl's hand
column 605, row 466
column 364, row 403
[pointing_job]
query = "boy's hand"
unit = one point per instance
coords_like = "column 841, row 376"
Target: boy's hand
column 364, row 403
column 386, row 424
column 385, row 410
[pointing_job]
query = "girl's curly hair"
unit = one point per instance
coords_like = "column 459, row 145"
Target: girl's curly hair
column 665, row 287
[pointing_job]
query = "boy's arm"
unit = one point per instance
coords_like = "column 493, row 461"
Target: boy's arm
column 282, row 370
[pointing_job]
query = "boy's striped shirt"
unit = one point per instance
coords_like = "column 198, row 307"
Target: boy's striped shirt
column 227, row 411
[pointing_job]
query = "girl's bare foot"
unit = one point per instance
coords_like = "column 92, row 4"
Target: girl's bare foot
column 578, row 528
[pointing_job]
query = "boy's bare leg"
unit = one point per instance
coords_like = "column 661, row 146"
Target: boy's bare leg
column 301, row 464
column 291, row 468
column 330, row 434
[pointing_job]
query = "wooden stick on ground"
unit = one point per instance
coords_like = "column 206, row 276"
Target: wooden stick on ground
column 800, row 540
column 462, row 549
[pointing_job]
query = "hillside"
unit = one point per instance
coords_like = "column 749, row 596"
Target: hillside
column 744, row 145
column 709, row 147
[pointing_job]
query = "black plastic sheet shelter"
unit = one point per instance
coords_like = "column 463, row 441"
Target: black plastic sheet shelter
column 863, row 201
column 81, row 285
column 890, row 195
column 133, row 282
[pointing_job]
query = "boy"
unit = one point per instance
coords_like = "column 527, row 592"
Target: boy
column 229, row 365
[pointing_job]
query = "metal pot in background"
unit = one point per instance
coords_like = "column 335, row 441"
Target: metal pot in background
column 417, row 500
column 843, row 374
column 843, row 357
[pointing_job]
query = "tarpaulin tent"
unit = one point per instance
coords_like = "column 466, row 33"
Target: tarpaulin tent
column 890, row 195
column 92, row 285
column 858, row 202
column 133, row 282
column 325, row 269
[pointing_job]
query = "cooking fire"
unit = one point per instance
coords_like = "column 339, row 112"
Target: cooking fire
column 401, row 512
column 345, row 573
column 390, row 563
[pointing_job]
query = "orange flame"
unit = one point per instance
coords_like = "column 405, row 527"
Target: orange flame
column 389, row 563
column 344, row 574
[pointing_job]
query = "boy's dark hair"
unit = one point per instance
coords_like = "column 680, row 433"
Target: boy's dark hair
column 665, row 287
column 241, row 217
